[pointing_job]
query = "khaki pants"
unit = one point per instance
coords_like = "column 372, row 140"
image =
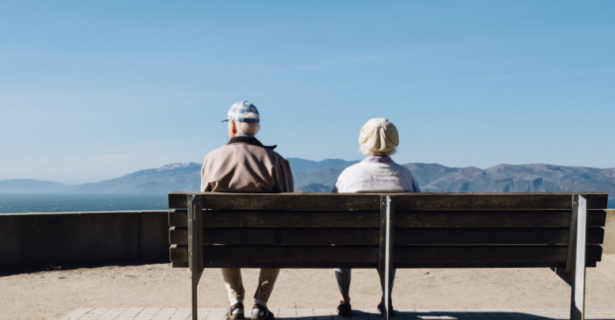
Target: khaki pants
column 234, row 284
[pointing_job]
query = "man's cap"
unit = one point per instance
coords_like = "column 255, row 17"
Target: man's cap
column 240, row 110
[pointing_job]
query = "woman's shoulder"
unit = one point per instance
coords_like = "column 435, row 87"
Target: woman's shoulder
column 357, row 168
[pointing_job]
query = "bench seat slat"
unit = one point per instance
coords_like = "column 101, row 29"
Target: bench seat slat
column 366, row 256
column 370, row 219
column 488, row 256
column 492, row 236
column 418, row 201
column 426, row 236
column 499, row 201
column 280, row 201
column 280, row 219
column 493, row 219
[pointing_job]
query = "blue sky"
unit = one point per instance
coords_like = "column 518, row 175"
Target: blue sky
column 91, row 90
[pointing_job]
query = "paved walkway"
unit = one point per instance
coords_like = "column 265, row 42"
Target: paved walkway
column 331, row 314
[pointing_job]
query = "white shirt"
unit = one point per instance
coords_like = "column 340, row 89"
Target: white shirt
column 376, row 174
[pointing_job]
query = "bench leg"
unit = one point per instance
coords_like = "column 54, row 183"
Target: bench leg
column 385, row 254
column 574, row 274
column 195, row 246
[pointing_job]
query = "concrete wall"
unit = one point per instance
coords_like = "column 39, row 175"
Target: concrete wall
column 44, row 240
column 609, row 233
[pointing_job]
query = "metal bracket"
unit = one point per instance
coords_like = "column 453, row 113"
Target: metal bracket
column 574, row 274
column 195, row 246
column 385, row 252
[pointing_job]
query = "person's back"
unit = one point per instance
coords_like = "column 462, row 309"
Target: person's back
column 246, row 165
column 376, row 173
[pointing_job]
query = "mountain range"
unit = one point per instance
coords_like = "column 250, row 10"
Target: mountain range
column 320, row 176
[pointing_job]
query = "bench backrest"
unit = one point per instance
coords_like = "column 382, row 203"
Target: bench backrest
column 301, row 230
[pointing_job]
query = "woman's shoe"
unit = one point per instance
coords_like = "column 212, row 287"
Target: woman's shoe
column 382, row 311
column 344, row 310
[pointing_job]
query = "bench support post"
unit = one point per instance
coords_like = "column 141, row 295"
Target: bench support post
column 385, row 252
column 195, row 246
column 574, row 273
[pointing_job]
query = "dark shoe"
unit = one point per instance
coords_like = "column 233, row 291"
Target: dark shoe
column 382, row 311
column 344, row 310
column 262, row 314
column 238, row 315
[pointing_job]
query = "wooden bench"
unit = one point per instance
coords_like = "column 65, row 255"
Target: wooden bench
column 561, row 231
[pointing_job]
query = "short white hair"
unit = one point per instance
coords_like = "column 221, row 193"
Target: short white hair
column 246, row 127
column 367, row 152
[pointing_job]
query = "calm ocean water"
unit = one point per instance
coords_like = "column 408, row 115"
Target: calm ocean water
column 20, row 203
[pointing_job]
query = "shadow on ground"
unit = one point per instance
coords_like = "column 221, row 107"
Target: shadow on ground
column 453, row 315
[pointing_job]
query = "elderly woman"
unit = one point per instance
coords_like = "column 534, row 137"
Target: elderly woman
column 376, row 173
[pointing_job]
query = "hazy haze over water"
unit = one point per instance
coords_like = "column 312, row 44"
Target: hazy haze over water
column 21, row 203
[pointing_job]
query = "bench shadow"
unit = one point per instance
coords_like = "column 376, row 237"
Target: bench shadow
column 448, row 315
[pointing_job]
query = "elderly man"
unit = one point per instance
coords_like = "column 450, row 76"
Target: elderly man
column 376, row 173
column 246, row 165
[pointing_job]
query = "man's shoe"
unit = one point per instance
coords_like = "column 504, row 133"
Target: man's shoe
column 261, row 313
column 344, row 310
column 382, row 311
column 235, row 312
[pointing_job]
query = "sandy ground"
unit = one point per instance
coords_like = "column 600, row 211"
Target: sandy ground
column 53, row 294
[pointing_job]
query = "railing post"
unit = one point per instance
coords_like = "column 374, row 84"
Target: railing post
column 385, row 252
column 195, row 246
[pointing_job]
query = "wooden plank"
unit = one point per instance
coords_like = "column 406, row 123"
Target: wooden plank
column 596, row 218
column 359, row 236
column 369, row 219
column 266, row 236
column 282, row 219
column 279, row 201
column 495, row 201
column 493, row 236
column 493, row 219
column 287, row 256
column 417, row 255
column 367, row 257
column 415, row 201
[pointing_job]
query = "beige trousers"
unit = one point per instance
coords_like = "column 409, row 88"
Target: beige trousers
column 234, row 284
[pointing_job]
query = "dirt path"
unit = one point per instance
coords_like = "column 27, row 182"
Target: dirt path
column 53, row 294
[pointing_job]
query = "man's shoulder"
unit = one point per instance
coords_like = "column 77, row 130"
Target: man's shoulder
column 278, row 156
column 217, row 152
column 242, row 148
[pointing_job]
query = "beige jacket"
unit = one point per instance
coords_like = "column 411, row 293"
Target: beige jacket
column 245, row 165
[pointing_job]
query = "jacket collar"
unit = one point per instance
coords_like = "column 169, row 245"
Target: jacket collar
column 379, row 159
column 251, row 141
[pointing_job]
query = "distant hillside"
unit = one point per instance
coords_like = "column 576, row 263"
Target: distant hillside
column 172, row 177
column 301, row 165
column 320, row 176
column 513, row 178
column 34, row 186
